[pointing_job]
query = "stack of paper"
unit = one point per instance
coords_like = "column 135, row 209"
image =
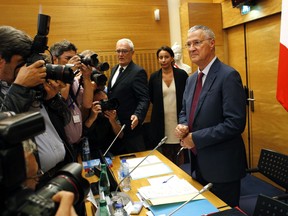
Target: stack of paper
column 178, row 190
column 151, row 166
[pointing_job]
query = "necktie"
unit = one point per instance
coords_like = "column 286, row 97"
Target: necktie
column 120, row 72
column 195, row 99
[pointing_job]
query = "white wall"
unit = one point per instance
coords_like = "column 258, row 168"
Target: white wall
column 174, row 21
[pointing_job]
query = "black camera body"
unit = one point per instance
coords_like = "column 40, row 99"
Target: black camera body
column 99, row 78
column 39, row 46
column 98, row 69
column 14, row 198
column 111, row 104
column 91, row 60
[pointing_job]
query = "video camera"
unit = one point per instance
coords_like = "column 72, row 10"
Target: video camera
column 14, row 198
column 39, row 46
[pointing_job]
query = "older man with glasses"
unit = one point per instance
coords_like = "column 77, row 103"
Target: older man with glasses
column 128, row 83
column 213, row 118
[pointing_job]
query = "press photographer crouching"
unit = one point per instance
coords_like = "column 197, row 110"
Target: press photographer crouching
column 17, row 196
column 102, row 124
column 21, row 80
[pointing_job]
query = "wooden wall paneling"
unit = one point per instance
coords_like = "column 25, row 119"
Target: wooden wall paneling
column 263, row 8
column 270, row 120
column 208, row 14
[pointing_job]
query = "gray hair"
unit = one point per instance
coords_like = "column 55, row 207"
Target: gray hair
column 127, row 41
column 208, row 32
column 57, row 49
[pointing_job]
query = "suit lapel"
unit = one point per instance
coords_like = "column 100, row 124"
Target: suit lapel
column 124, row 74
column 207, row 85
column 192, row 87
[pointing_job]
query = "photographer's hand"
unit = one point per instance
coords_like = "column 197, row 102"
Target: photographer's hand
column 86, row 71
column 66, row 200
column 32, row 75
column 52, row 87
column 111, row 115
column 76, row 61
column 95, row 110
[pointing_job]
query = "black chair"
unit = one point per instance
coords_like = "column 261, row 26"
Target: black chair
column 272, row 165
column 267, row 206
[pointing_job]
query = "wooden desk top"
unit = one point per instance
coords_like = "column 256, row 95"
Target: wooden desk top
column 135, row 184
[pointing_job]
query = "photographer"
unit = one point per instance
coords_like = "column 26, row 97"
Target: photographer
column 75, row 96
column 64, row 198
column 101, row 126
column 18, row 84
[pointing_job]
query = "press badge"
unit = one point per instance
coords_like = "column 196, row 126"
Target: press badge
column 76, row 118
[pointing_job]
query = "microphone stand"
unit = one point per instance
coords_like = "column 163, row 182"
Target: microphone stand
column 122, row 128
column 159, row 144
column 205, row 188
column 123, row 196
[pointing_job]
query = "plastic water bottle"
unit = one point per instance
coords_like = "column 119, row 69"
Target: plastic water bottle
column 124, row 172
column 104, row 184
column 85, row 149
column 119, row 210
column 104, row 208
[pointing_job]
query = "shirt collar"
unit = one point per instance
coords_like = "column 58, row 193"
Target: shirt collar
column 207, row 68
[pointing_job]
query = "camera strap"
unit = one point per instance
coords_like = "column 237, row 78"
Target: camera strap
column 36, row 153
column 74, row 96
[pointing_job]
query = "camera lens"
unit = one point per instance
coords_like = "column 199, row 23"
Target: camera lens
column 90, row 60
column 99, row 79
column 69, row 178
column 60, row 72
column 103, row 66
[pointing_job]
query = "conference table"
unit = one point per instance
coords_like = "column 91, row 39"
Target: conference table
column 135, row 184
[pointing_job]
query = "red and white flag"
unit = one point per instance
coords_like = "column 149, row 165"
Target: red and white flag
column 282, row 82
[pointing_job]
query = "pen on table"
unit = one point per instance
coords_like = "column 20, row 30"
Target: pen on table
column 168, row 179
column 180, row 151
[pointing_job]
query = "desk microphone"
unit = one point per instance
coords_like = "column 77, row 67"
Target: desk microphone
column 159, row 144
column 122, row 128
column 204, row 189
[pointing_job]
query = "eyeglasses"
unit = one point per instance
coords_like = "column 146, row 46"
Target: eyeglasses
column 38, row 175
column 196, row 43
column 124, row 51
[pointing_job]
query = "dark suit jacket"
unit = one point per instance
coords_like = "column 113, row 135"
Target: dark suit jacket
column 219, row 120
column 131, row 89
column 157, row 128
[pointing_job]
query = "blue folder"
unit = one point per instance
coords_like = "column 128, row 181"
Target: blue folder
column 195, row 208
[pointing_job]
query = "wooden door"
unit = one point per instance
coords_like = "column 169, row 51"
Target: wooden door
column 258, row 42
column 269, row 121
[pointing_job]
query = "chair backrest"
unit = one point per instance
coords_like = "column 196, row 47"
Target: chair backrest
column 267, row 206
column 274, row 165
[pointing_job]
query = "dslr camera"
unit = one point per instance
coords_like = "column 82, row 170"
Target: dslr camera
column 97, row 75
column 14, row 198
column 111, row 104
column 39, row 46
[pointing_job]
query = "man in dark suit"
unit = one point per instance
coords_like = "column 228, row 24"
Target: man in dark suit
column 213, row 131
column 128, row 83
